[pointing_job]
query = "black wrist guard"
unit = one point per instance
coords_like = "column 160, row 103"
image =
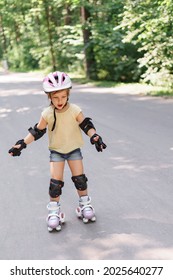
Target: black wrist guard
column 86, row 125
column 37, row 133
column 99, row 143
column 17, row 151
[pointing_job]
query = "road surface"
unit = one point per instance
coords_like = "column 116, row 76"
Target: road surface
column 130, row 182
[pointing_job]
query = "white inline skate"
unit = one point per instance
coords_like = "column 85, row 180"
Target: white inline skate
column 55, row 217
column 85, row 211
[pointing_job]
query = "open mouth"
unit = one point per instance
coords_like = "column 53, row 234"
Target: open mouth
column 60, row 106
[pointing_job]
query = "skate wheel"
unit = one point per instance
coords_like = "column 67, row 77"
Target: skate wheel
column 93, row 219
column 58, row 228
column 85, row 220
column 50, row 229
column 62, row 218
column 78, row 212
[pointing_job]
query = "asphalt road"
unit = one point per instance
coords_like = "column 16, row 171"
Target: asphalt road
column 130, row 182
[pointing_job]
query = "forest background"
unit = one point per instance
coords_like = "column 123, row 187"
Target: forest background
column 125, row 41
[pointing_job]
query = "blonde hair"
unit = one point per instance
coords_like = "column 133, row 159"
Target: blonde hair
column 67, row 90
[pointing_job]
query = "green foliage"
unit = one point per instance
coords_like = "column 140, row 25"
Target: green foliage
column 149, row 24
column 128, row 40
column 20, row 58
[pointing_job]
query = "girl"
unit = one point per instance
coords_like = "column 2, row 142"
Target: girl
column 64, row 122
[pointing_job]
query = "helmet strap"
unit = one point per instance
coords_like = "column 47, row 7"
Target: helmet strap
column 54, row 114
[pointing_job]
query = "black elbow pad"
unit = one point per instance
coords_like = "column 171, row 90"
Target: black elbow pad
column 86, row 125
column 37, row 133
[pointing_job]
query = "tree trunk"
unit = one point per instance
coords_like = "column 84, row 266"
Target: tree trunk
column 67, row 19
column 90, row 62
column 47, row 13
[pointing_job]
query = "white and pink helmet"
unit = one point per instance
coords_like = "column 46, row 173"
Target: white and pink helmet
column 56, row 81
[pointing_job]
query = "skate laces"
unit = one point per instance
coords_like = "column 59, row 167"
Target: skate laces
column 53, row 205
column 85, row 202
column 54, row 208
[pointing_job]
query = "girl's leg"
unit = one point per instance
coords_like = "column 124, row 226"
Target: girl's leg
column 76, row 167
column 55, row 217
column 57, row 173
column 85, row 209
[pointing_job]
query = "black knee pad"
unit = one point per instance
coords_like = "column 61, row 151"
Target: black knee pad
column 55, row 188
column 80, row 182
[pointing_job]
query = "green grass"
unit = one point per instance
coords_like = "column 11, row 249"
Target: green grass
column 82, row 80
column 145, row 88
column 162, row 92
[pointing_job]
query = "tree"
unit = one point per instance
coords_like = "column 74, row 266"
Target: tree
column 48, row 12
column 90, row 61
column 148, row 24
column 119, row 40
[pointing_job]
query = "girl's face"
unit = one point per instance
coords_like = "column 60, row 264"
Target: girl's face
column 59, row 98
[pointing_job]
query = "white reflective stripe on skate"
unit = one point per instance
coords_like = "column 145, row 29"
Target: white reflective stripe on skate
column 51, row 215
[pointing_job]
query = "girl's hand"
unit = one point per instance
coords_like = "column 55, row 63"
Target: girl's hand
column 97, row 141
column 16, row 149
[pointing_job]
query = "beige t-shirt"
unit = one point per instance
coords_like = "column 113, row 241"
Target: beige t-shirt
column 67, row 135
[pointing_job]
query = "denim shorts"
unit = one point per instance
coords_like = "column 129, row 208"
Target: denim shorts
column 73, row 155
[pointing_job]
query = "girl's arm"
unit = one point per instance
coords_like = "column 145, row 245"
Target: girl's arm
column 34, row 134
column 87, row 126
column 41, row 126
column 80, row 119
